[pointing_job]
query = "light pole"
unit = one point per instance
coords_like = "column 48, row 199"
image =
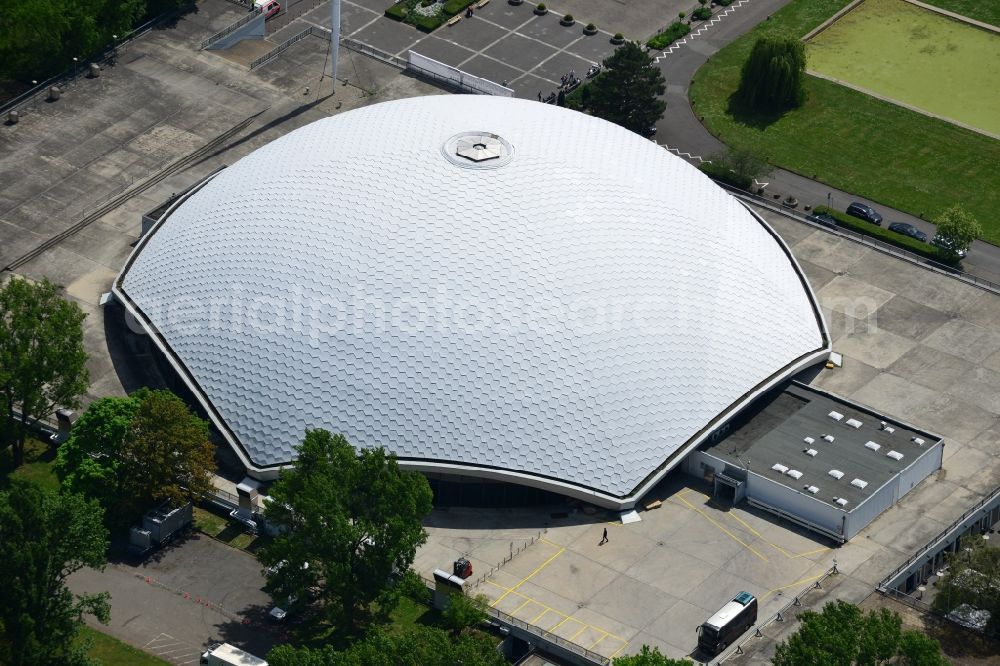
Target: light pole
column 334, row 39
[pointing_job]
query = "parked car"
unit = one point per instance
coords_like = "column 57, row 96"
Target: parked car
column 268, row 7
column 908, row 230
column 946, row 245
column 864, row 212
column 825, row 219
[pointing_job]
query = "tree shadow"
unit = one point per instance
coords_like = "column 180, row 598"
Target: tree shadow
column 744, row 114
column 171, row 22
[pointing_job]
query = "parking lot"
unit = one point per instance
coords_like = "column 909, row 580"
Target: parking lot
column 194, row 592
column 501, row 42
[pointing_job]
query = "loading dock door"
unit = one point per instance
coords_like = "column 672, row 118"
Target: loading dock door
column 728, row 489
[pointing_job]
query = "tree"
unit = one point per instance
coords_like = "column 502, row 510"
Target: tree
column 418, row 646
column 131, row 453
column 464, row 611
column 736, row 166
column 627, row 90
column 42, row 361
column 771, row 79
column 649, row 657
column 973, row 579
column 916, row 649
column 957, row 228
column 46, row 537
column 842, row 635
column 354, row 517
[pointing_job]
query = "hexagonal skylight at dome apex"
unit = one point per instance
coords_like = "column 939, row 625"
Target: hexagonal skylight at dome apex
column 479, row 148
column 576, row 312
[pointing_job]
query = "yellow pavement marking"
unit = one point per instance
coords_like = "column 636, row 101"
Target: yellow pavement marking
column 606, row 634
column 798, row 582
column 757, row 534
column 615, row 653
column 582, row 629
column 526, row 578
column 539, row 616
column 562, row 622
column 515, row 611
column 811, row 552
column 544, row 540
column 717, row 524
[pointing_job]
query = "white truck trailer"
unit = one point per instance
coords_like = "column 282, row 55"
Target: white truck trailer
column 229, row 655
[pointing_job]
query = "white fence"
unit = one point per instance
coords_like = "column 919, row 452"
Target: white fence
column 453, row 76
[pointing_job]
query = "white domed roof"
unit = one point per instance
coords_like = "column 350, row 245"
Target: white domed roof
column 490, row 285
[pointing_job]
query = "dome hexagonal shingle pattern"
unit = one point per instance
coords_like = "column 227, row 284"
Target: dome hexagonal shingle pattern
column 574, row 317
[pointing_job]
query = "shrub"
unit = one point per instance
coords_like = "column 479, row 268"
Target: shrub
column 664, row 39
column 681, row 15
column 397, row 11
column 899, row 240
column 568, row 18
column 702, row 14
column 591, row 26
column 541, row 7
column 724, row 3
column 426, row 23
column 618, row 36
column 427, row 3
column 452, row 7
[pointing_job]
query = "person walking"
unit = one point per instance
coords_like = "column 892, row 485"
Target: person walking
column 604, row 538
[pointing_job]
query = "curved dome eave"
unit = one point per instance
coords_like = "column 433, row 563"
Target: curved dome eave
column 576, row 317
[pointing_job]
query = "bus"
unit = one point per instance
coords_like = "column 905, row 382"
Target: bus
column 728, row 624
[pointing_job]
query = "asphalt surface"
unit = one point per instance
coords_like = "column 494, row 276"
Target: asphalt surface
column 181, row 599
column 682, row 132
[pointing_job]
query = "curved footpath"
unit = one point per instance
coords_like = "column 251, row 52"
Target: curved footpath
column 682, row 132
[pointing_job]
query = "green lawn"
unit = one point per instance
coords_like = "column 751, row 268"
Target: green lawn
column 112, row 652
column 915, row 56
column 987, row 11
column 851, row 140
column 38, row 461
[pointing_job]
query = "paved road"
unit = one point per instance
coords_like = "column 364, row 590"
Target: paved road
column 681, row 130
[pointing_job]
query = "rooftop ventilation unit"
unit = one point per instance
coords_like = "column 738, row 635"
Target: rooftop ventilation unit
column 794, row 473
column 811, row 452
column 917, row 440
column 854, row 423
column 895, row 455
column 812, row 489
column 840, row 500
column 836, row 416
column 836, row 473
column 778, row 467
column 872, row 445
column 809, row 440
column 828, row 438
column 889, row 429
column 858, row 483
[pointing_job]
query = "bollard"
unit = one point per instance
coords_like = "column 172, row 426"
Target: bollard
column 94, row 71
column 13, row 118
column 54, row 93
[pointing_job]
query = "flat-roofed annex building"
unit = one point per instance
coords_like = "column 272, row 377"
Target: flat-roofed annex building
column 488, row 287
column 821, row 461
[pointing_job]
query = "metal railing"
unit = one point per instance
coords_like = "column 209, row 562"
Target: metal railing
column 513, row 553
column 884, row 584
column 378, row 54
column 780, row 616
column 225, row 32
column 281, row 48
column 864, row 239
column 547, row 637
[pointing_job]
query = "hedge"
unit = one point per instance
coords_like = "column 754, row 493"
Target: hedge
column 664, row 39
column 899, row 240
column 453, row 7
column 719, row 172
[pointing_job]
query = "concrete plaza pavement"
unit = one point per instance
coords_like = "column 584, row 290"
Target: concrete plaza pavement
column 918, row 345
